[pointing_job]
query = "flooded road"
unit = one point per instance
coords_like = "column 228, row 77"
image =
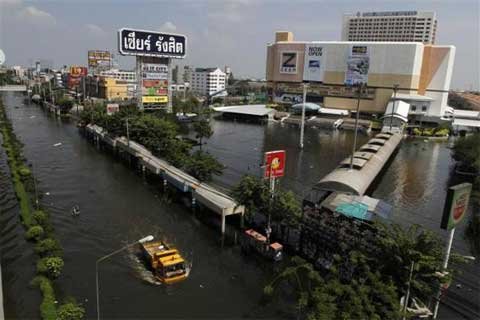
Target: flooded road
column 118, row 207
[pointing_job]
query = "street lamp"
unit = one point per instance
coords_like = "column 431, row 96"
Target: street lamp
column 143, row 240
column 444, row 273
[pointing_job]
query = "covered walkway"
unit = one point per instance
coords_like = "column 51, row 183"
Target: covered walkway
column 205, row 194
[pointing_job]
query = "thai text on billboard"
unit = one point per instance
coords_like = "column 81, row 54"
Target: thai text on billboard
column 314, row 64
column 99, row 58
column 151, row 43
column 358, row 63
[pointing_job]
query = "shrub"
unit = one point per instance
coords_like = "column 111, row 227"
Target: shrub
column 40, row 217
column 48, row 247
column 24, row 171
column 71, row 311
column 50, row 266
column 48, row 310
column 34, row 233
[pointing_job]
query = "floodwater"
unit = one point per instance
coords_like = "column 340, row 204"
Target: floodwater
column 119, row 207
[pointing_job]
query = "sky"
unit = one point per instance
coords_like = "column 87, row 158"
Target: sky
column 233, row 33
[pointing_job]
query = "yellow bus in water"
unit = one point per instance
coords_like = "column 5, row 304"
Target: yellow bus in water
column 167, row 264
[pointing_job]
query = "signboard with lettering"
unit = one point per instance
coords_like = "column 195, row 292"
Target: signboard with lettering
column 313, row 67
column 288, row 62
column 154, row 82
column 151, row 43
column 99, row 59
column 292, row 92
column 358, row 63
column 155, row 99
column 456, row 205
column 274, row 164
column 154, row 71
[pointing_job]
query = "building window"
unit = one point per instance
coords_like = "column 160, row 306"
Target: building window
column 424, row 108
column 414, row 108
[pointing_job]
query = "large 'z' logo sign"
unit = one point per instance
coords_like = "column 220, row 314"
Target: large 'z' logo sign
column 289, row 62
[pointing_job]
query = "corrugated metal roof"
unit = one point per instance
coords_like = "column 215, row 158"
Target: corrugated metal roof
column 356, row 182
column 252, row 109
column 466, row 123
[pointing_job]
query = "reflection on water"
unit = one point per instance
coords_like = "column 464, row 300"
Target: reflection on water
column 118, row 207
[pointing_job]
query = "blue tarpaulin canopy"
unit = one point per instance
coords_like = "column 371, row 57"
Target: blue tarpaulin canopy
column 354, row 209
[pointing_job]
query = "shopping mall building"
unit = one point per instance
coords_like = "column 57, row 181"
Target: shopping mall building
column 333, row 68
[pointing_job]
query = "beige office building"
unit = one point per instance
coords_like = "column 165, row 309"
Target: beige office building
column 333, row 69
column 406, row 26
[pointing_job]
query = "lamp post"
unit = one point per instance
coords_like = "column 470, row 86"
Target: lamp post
column 359, row 96
column 395, row 89
column 143, row 240
column 302, row 127
column 444, row 272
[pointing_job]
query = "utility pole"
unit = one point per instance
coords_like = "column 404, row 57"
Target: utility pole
column 128, row 133
column 407, row 296
column 395, row 89
column 359, row 96
column 302, row 126
column 444, row 268
column 272, row 194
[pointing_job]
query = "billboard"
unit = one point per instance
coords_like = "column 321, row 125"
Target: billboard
column 99, row 59
column 154, row 77
column 314, row 64
column 274, row 164
column 78, row 71
column 112, row 108
column 358, row 63
column 288, row 62
column 151, row 43
column 75, row 76
column 456, row 205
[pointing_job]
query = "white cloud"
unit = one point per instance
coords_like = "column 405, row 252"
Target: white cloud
column 167, row 26
column 36, row 16
column 95, row 30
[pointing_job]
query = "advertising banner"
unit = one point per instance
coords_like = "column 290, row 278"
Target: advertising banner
column 358, row 63
column 288, row 62
column 293, row 92
column 151, row 43
column 456, row 205
column 99, row 59
column 154, row 71
column 274, row 164
column 154, row 82
column 155, row 99
column 313, row 67
column 78, row 71
column 112, row 108
column 75, row 76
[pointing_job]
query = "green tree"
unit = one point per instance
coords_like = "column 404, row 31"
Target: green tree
column 203, row 166
column 254, row 193
column 50, row 266
column 329, row 296
column 467, row 152
column 203, row 130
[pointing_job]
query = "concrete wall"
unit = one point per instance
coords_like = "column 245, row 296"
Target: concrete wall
column 408, row 64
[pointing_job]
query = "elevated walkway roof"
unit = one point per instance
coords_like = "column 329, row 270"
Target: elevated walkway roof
column 357, row 180
column 259, row 110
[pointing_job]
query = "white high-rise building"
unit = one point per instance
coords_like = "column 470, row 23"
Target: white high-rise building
column 206, row 81
column 399, row 26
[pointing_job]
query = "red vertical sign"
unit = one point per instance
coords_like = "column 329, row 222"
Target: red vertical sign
column 274, row 164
